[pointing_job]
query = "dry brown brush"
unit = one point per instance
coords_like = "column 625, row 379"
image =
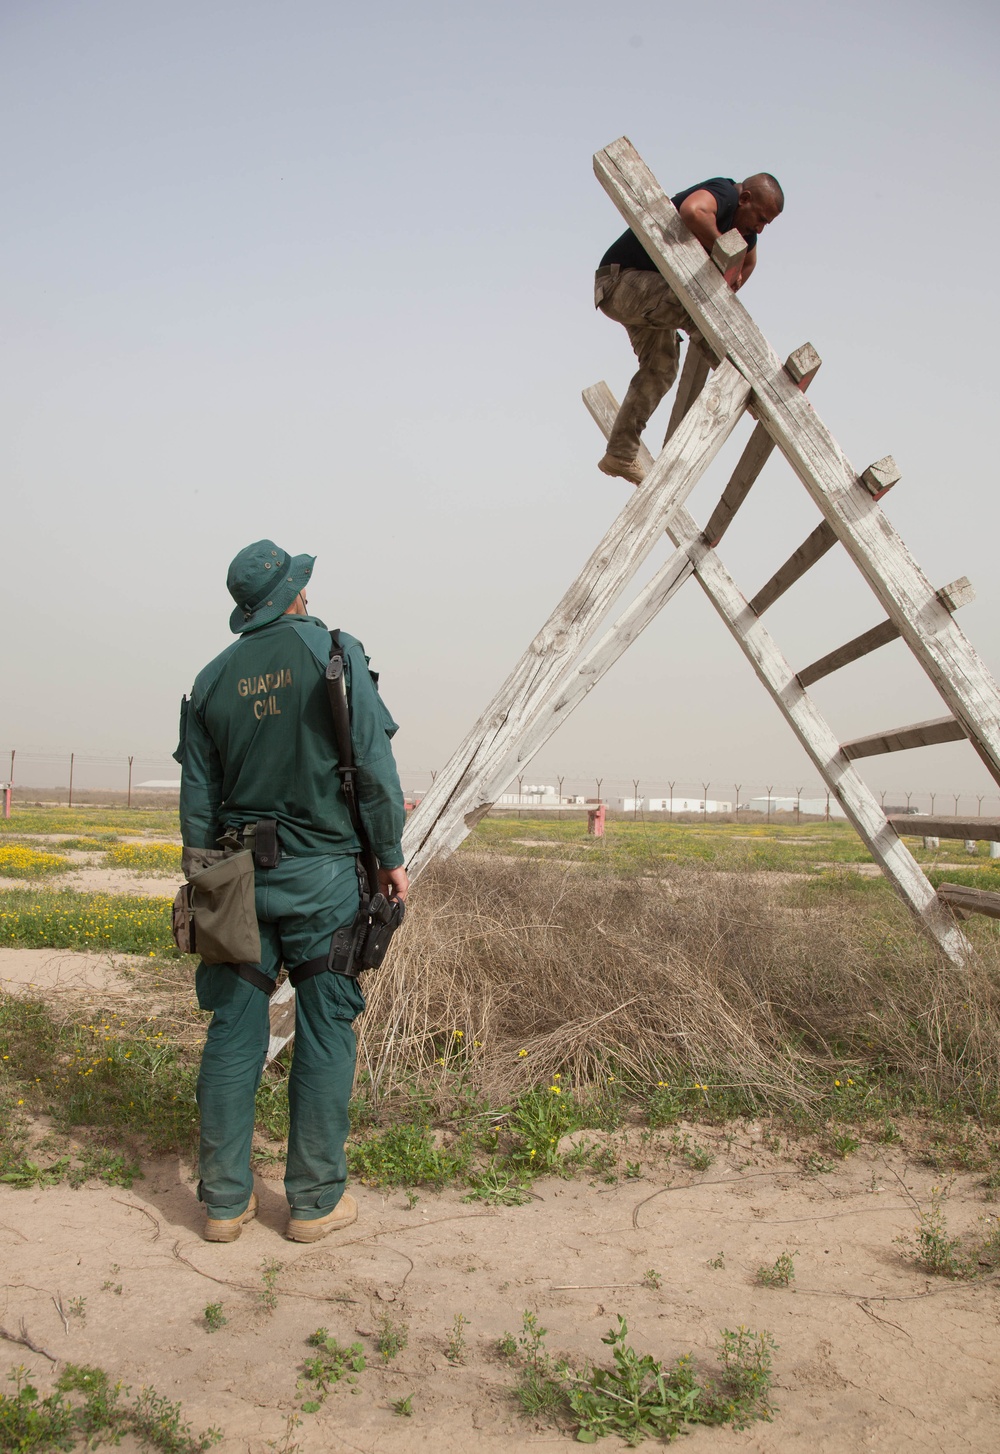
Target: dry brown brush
column 745, row 979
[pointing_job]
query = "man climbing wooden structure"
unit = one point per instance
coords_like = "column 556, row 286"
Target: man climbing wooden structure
column 568, row 656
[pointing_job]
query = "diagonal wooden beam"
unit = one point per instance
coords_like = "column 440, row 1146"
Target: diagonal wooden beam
column 938, row 643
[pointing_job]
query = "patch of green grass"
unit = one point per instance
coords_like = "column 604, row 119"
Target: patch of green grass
column 405, row 1155
column 455, row 1347
column 91, row 821
column 214, row 1317
column 32, row 1424
column 43, row 919
column 635, row 1397
column 123, row 1082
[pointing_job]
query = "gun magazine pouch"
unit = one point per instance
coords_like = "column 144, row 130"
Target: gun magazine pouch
column 213, row 913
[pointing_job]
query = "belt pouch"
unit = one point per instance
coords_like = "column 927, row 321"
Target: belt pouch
column 222, row 902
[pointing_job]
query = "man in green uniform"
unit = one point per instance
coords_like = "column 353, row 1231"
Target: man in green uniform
column 257, row 743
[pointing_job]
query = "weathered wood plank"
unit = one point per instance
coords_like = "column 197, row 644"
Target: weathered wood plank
column 728, row 253
column 801, row 366
column 812, row 549
column 880, row 477
column 852, row 650
column 901, row 739
column 971, row 901
column 938, row 643
column 930, row 825
column 957, row 594
column 802, row 715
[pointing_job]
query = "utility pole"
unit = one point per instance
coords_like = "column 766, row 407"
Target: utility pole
column 769, row 803
column 671, row 815
column 736, row 805
column 635, row 798
column 560, row 782
column 71, row 759
column 131, row 759
column 798, row 803
column 704, row 798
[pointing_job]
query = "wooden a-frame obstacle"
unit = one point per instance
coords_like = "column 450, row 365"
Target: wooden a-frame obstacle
column 730, row 370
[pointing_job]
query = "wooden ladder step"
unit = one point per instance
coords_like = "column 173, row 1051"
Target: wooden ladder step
column 921, row 734
column 982, row 830
column 969, row 901
column 812, row 549
column 852, row 650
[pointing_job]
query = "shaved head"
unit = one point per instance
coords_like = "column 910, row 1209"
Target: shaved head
column 763, row 185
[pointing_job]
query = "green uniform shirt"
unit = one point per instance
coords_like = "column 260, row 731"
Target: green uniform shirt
column 257, row 741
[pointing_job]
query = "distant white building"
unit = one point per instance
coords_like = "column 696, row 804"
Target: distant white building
column 815, row 807
column 677, row 805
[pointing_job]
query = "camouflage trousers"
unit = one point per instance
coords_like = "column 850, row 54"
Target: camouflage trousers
column 651, row 315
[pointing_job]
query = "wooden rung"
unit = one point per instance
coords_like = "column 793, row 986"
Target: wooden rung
column 927, row 825
column 729, row 251
column 852, row 650
column 969, row 901
column 957, row 594
column 801, row 366
column 881, row 476
column 812, row 549
column 921, row 734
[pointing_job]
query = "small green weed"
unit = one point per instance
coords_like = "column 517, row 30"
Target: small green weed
column 844, row 1145
column 717, row 1263
column 391, row 1338
column 31, row 1423
column 935, row 1250
column 652, row 1279
column 270, row 1271
column 781, row 1272
column 331, row 1363
column 403, row 1407
column 455, row 1347
column 497, row 1188
column 635, row 1397
column 214, row 1317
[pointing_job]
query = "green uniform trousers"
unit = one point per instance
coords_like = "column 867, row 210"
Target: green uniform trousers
column 299, row 904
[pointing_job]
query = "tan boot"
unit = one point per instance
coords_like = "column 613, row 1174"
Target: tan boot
column 227, row 1229
column 344, row 1213
column 623, row 469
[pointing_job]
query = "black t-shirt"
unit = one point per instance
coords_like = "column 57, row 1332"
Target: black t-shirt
column 628, row 251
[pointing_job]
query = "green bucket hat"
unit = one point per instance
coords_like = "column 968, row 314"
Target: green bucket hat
column 264, row 580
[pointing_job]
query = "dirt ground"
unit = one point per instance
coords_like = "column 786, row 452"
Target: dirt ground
column 872, row 1353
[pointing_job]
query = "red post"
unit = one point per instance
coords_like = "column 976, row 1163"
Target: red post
column 595, row 821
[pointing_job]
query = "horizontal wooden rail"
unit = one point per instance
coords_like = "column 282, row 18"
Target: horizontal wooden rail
column 900, row 739
column 983, row 830
column 801, row 367
column 852, row 650
column 812, row 549
column 965, row 901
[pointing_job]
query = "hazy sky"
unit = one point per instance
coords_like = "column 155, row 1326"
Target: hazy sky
column 324, row 273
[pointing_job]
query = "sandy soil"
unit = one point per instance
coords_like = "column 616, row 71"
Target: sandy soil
column 27, row 970
column 873, row 1353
